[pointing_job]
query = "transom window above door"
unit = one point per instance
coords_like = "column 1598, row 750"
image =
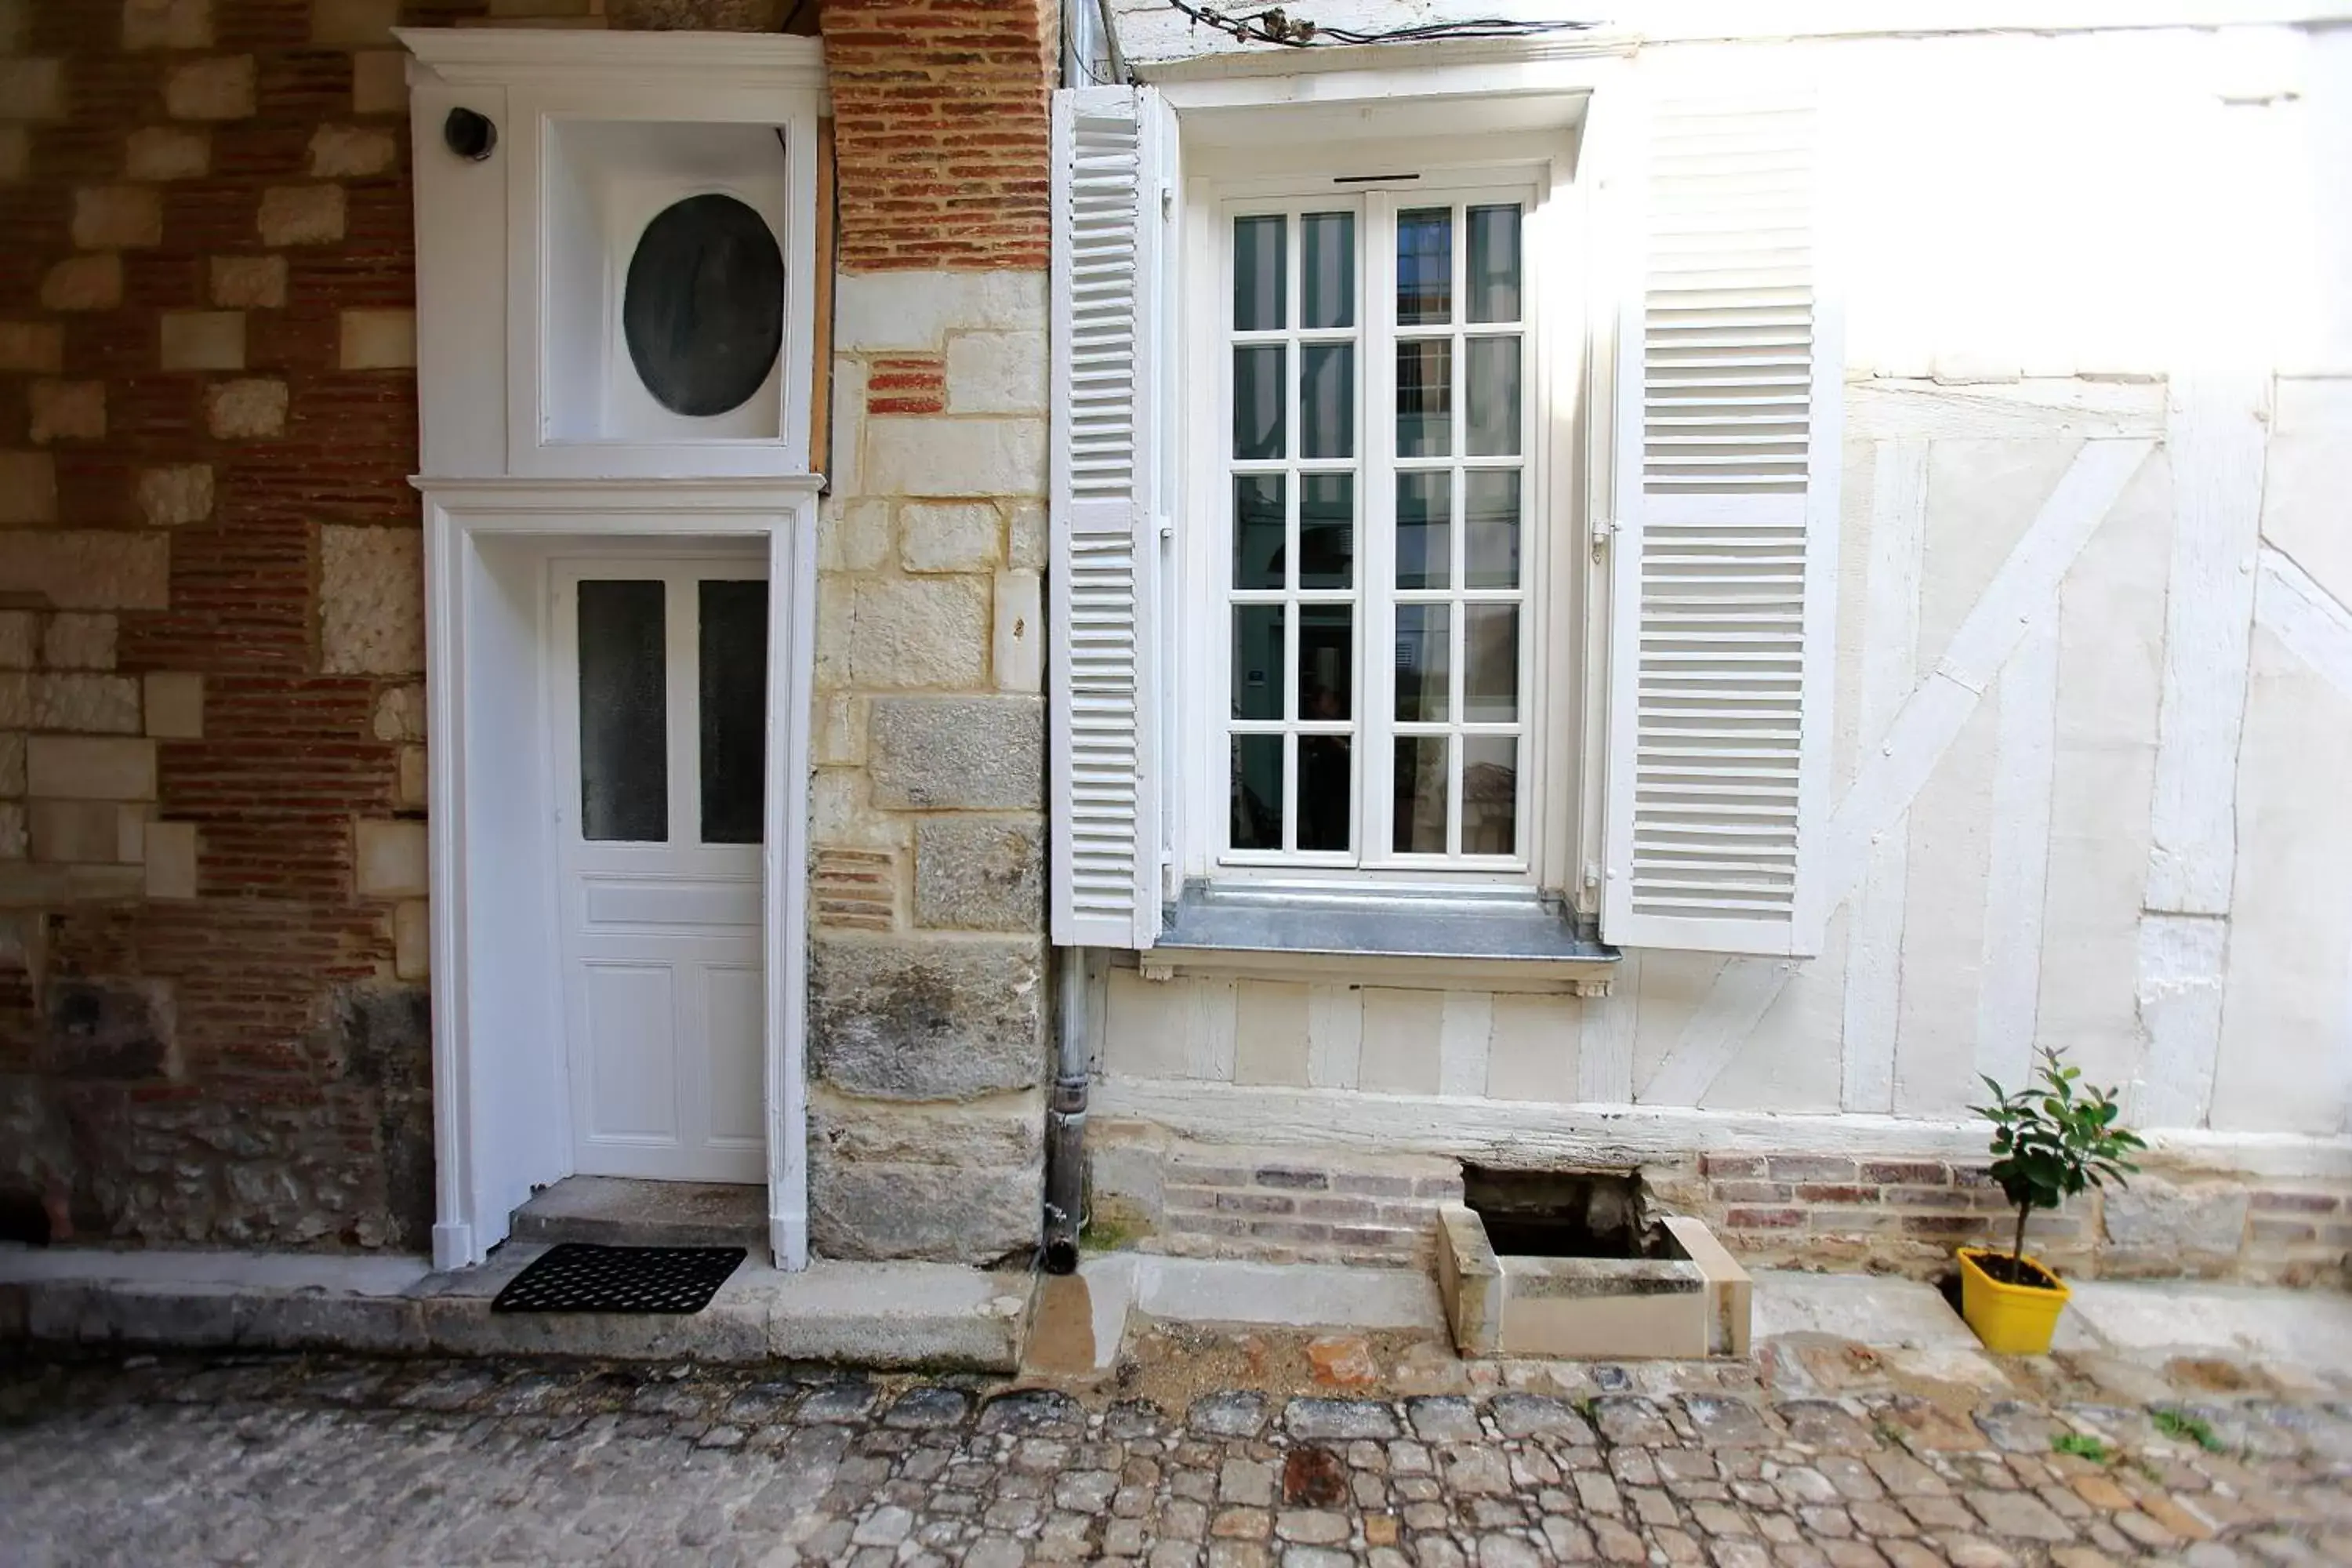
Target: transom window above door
column 1378, row 495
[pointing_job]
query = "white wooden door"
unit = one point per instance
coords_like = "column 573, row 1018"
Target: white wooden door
column 659, row 711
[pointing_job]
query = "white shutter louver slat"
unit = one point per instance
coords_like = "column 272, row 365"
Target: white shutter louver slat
column 1105, row 831
column 1726, row 463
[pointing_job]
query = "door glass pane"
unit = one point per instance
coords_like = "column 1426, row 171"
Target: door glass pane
column 1327, row 400
column 1326, row 789
column 1258, row 530
column 1326, row 530
column 1326, row 270
column 1257, row 792
column 1419, row 818
column 1490, row 660
column 1259, row 244
column 1493, row 264
column 1258, row 662
column 1424, row 396
column 1491, row 385
column 1490, row 524
column 1424, row 266
column 734, row 684
column 624, row 713
column 1424, row 523
column 1258, row 401
column 1327, row 658
column 1425, row 663
column 1490, row 794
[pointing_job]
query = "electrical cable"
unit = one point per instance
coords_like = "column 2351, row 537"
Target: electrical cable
column 1275, row 25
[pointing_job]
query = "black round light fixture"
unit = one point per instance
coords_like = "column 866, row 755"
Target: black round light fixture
column 469, row 135
column 703, row 307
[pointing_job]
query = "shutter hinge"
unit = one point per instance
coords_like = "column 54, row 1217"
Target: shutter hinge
column 1592, row 873
column 1602, row 532
column 1167, row 202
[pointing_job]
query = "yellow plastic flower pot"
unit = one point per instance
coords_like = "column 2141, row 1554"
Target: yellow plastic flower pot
column 2011, row 1319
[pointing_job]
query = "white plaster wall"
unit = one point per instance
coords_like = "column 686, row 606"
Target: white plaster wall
column 2039, row 240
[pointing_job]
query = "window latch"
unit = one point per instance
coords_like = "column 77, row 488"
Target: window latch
column 1602, row 532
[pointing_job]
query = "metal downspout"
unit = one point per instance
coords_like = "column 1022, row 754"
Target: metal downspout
column 1066, row 1122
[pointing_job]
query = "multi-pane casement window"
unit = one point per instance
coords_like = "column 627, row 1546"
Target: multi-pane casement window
column 1376, row 501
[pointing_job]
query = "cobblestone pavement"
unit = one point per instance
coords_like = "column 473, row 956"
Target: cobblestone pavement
column 344, row 1460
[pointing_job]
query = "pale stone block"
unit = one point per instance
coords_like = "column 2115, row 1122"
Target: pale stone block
column 844, row 438
column 1270, row 1033
column 1531, row 1051
column 19, row 640
column 1400, row 1042
column 400, row 714
column 175, row 705
column 86, row 704
column 412, row 782
column 389, row 859
column 379, row 340
column 249, row 283
column 16, row 701
column 167, row 23
column 840, row 816
column 16, row 839
column 245, row 410
column 353, row 21
column 957, row 754
column 38, row 346
column 68, row 411
column 12, row 764
column 879, row 311
column 952, row 536
column 84, row 283
column 28, row 489
column 1020, row 629
column 301, row 214
column 171, row 860
column 79, row 641
column 97, row 568
column 853, row 535
column 411, row 939
column 87, row 832
column 380, row 81
column 203, row 340
column 85, row 767
column 936, row 457
column 840, row 737
column 371, row 600
column 351, row 151
column 924, row 631
column 32, row 90
column 996, row 372
column 166, row 152
column 178, row 494
column 115, row 217
column 1025, row 528
column 217, row 88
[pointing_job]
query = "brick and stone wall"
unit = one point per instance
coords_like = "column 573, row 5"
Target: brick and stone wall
column 213, row 935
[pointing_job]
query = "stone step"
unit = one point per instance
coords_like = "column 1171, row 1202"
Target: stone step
column 613, row 1211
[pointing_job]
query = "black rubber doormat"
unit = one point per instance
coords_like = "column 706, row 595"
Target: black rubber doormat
column 580, row 1277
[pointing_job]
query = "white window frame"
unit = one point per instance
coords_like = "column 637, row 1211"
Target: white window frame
column 1555, row 594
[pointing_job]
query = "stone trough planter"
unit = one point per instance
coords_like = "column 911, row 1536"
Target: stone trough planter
column 1688, row 1300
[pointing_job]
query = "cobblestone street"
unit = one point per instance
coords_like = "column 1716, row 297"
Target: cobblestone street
column 329, row 1461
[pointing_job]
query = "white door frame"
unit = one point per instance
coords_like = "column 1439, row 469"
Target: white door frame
column 500, row 1101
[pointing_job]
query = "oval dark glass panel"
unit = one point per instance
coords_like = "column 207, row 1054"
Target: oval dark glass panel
column 703, row 310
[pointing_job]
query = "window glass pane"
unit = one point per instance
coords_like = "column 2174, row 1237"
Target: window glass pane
column 1258, row 401
column 734, row 683
column 1259, row 244
column 1327, row 400
column 1327, row 266
column 1257, row 792
column 1490, row 660
column 1425, row 530
column 1258, row 554
column 1424, row 266
column 1491, row 385
column 1425, row 663
column 1493, row 264
column 1490, row 794
column 1327, row 663
column 1424, row 394
column 1418, row 821
column 1490, row 523
column 624, row 713
column 1258, row 662
column 1326, row 530
column 1327, row 791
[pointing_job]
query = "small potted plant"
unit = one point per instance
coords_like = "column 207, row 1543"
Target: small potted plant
column 2052, row 1140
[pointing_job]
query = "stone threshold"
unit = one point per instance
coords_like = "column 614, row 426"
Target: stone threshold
column 936, row 1316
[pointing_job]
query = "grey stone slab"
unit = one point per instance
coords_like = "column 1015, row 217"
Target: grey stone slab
column 2158, row 1218
column 961, row 753
column 1530, row 1415
column 978, row 873
column 615, row 1212
column 940, row 1213
column 1239, row 1413
column 925, row 1018
column 1338, row 1420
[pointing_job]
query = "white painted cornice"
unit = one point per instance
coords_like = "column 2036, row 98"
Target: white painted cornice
column 546, row 57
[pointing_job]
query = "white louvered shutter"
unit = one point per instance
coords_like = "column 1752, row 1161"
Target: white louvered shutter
column 1726, row 550
column 1108, row 310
